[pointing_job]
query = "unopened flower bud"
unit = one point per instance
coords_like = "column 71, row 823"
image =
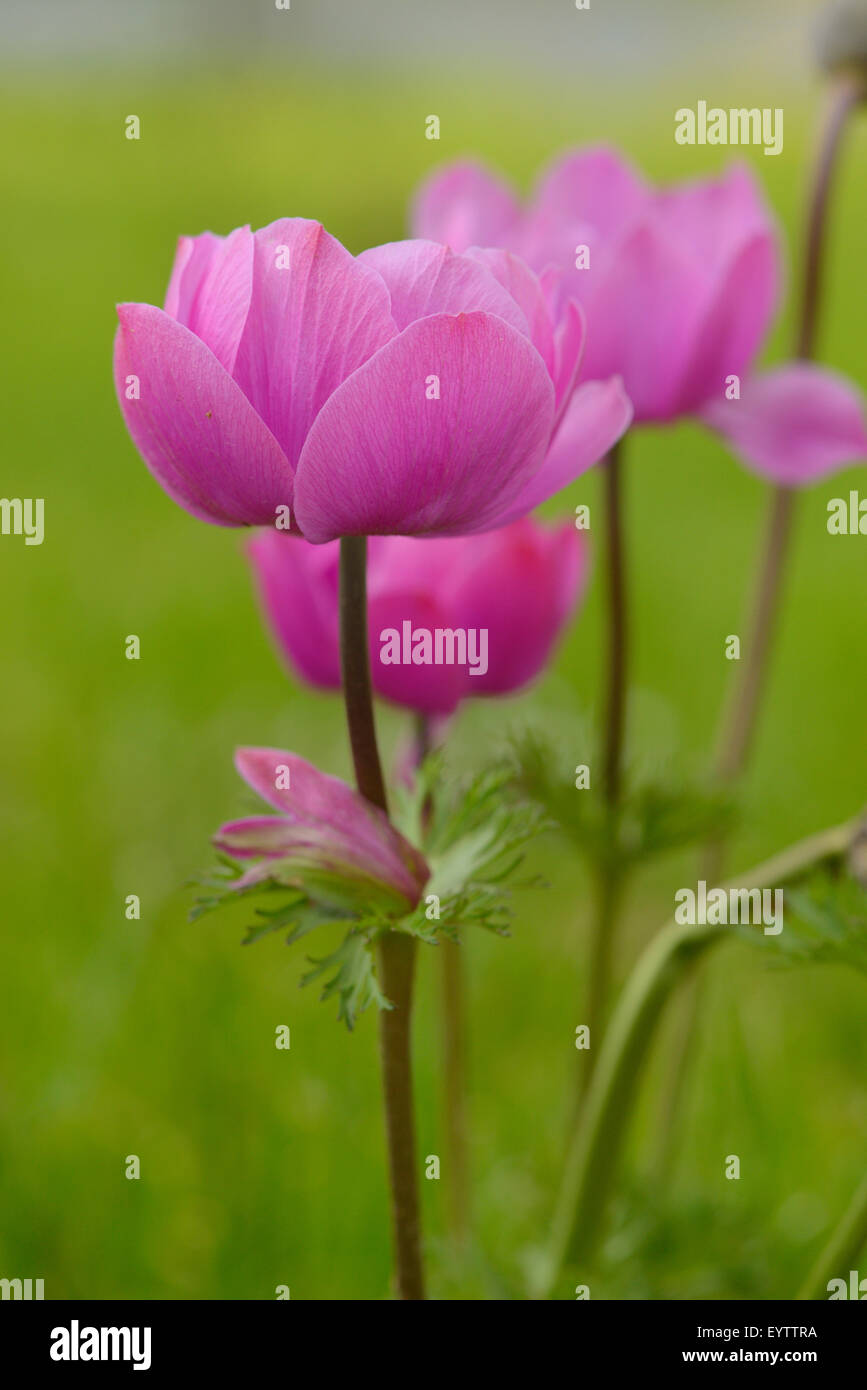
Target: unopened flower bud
column 841, row 39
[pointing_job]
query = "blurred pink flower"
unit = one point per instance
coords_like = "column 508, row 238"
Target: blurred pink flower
column 323, row 828
column 679, row 287
column 519, row 584
column 405, row 391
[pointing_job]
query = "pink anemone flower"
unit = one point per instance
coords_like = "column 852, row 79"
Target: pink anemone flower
column 407, row 391
column 500, row 602
column 323, row 828
column 679, row 286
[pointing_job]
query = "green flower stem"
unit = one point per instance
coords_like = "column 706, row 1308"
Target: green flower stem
column 608, row 887
column 741, row 712
column 608, row 892
column 454, row 1045
column 617, row 627
column 453, row 1015
column 397, row 953
column 592, row 1161
column 396, row 950
column 842, row 1249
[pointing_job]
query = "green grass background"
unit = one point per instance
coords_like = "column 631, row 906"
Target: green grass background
column 262, row 1167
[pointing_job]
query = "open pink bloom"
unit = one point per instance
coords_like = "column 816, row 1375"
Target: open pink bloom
column 679, row 287
column 323, row 827
column 502, row 599
column 405, row 391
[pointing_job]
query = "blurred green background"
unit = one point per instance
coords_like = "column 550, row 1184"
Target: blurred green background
column 154, row 1037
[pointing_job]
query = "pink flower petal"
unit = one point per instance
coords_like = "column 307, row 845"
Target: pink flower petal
column 424, row 278
column 733, row 324
column 587, row 196
column 298, row 586
column 520, row 581
column 426, row 689
column 711, row 219
column 643, row 319
column 255, row 836
column 315, row 801
column 557, row 328
column 465, row 205
column 196, row 431
column 289, row 852
column 315, row 315
column 794, row 424
column 193, row 255
column 384, row 457
column 520, row 584
column 599, row 414
column 524, row 288
column 210, row 289
column 569, row 340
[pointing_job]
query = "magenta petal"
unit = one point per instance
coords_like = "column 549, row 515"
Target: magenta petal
column 794, row 424
column 569, row 340
column 521, row 584
column 643, row 320
column 712, row 218
column 315, row 801
column 599, row 414
column 288, row 852
column 424, row 278
column 586, row 196
column 427, row 689
column 315, row 315
column 559, row 342
column 210, row 288
column 254, row 836
column 383, row 456
column 195, row 430
column 192, row 258
column 733, row 324
column 524, row 288
column 465, row 205
column 298, row 585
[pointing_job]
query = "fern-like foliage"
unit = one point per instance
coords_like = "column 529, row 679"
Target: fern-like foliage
column 473, row 834
column 655, row 815
column 824, row 921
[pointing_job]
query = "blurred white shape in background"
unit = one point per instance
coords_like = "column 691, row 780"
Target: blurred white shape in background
column 550, row 36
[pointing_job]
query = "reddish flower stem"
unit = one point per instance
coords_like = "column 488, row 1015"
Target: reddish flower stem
column 396, row 950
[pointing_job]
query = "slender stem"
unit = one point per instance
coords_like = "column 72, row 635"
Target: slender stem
column 739, row 721
column 454, row 1044
column 607, row 897
column 608, row 888
column 454, row 1088
column 396, row 965
column 842, row 1248
column 738, row 725
column 741, row 713
column 396, row 950
column 355, row 670
column 592, row 1161
column 617, row 625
